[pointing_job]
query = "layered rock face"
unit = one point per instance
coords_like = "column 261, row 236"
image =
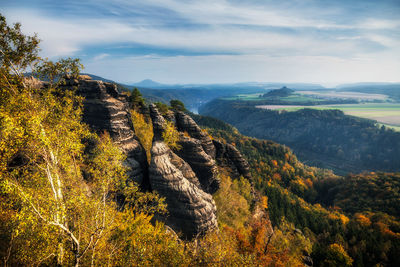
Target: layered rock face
column 228, row 156
column 192, row 210
column 202, row 164
column 186, row 124
column 105, row 109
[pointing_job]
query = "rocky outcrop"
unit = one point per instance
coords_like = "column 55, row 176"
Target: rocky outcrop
column 158, row 123
column 228, row 156
column 202, row 164
column 192, row 152
column 186, row 124
column 105, row 109
column 191, row 210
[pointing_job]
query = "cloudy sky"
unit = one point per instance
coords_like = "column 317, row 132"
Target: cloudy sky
column 220, row 41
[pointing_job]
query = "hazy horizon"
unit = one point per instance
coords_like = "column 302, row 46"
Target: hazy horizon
column 208, row 42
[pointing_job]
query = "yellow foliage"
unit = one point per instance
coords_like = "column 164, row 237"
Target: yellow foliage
column 144, row 131
column 232, row 206
column 171, row 136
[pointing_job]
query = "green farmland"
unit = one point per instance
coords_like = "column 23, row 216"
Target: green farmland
column 296, row 98
column 385, row 113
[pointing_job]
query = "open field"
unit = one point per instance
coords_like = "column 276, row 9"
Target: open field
column 321, row 95
column 292, row 98
column 344, row 95
column 385, row 113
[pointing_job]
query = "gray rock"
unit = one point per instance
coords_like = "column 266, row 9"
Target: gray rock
column 202, row 164
column 185, row 123
column 191, row 210
column 105, row 109
column 158, row 123
column 228, row 156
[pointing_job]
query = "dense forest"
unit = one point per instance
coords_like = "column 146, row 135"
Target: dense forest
column 324, row 138
column 358, row 212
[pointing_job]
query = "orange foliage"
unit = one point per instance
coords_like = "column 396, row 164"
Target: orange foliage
column 363, row 220
column 276, row 176
column 264, row 202
column 309, row 183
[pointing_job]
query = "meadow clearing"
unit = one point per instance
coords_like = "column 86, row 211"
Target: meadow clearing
column 385, row 113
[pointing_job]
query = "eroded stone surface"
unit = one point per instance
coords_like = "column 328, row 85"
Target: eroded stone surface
column 191, row 210
column 186, row 124
column 202, row 164
column 228, row 156
column 105, row 109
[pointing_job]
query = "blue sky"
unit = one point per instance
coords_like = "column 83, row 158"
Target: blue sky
column 220, row 41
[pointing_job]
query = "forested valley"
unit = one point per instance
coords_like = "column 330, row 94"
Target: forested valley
column 323, row 138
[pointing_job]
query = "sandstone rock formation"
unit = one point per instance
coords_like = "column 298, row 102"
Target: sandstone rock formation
column 228, row 156
column 186, row 124
column 191, row 210
column 105, row 109
column 158, row 128
column 191, row 152
column 202, row 164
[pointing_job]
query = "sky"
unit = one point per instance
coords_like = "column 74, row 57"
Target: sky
column 219, row 41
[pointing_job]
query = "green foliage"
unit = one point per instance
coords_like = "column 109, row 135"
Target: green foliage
column 55, row 72
column 162, row 108
column 136, row 99
column 368, row 192
column 17, row 51
column 334, row 255
column 177, row 105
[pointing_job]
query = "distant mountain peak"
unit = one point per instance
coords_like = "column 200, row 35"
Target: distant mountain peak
column 147, row 83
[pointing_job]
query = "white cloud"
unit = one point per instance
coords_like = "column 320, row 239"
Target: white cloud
column 62, row 37
column 100, row 56
column 313, row 49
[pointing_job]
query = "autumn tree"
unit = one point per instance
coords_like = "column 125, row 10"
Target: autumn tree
column 58, row 198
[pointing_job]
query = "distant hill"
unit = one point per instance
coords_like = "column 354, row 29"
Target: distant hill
column 283, row 92
column 148, row 83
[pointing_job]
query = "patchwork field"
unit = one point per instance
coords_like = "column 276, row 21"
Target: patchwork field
column 344, row 95
column 385, row 113
column 292, row 98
